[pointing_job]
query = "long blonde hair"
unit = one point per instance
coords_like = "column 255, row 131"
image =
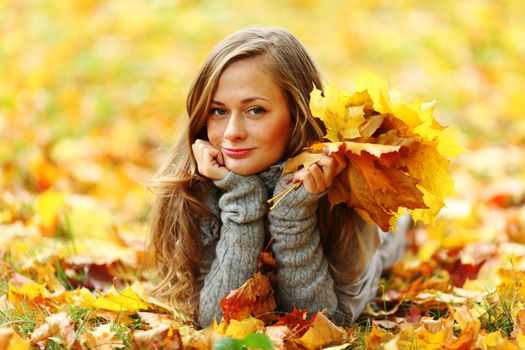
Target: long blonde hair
column 180, row 190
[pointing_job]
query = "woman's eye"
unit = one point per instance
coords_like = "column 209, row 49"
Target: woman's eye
column 217, row 112
column 257, row 111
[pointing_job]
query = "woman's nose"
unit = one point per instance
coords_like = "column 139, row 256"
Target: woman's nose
column 235, row 129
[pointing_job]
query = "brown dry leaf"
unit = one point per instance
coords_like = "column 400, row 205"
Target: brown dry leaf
column 278, row 335
column 519, row 331
column 469, row 330
column 253, row 298
column 373, row 176
column 43, row 273
column 163, row 333
column 303, row 160
column 161, row 336
column 15, row 278
column 102, row 338
column 406, row 195
column 375, row 183
column 59, row 326
column 356, row 148
column 322, row 333
column 392, row 138
column 5, row 337
column 199, row 340
column 370, row 126
column 377, row 337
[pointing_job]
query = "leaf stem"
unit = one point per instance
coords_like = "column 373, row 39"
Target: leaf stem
column 277, row 198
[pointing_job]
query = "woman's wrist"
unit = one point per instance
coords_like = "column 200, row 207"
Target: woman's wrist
column 299, row 196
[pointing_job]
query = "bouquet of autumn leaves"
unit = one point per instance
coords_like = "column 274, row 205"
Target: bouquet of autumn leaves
column 396, row 153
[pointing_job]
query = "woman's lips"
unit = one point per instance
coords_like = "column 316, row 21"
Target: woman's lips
column 236, row 152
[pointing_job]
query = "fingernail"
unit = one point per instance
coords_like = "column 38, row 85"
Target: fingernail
column 326, row 151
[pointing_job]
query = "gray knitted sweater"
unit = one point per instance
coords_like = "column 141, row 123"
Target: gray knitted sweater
column 232, row 246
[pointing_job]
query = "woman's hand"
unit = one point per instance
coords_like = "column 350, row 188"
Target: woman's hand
column 319, row 176
column 210, row 161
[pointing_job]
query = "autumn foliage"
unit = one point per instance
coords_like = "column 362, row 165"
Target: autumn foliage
column 396, row 153
column 90, row 91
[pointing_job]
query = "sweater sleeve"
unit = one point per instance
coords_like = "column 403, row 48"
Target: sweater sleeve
column 384, row 249
column 302, row 269
column 241, row 239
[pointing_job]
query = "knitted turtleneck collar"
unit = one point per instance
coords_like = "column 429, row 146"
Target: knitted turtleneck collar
column 271, row 175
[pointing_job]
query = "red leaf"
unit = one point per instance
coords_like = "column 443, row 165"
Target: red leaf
column 296, row 321
column 253, row 298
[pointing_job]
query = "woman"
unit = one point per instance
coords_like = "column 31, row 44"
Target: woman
column 248, row 112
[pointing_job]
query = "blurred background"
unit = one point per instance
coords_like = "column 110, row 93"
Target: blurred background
column 92, row 92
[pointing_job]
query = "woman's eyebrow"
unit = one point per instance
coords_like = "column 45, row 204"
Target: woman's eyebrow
column 251, row 99
column 243, row 101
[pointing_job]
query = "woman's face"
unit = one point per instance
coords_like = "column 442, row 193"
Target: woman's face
column 249, row 119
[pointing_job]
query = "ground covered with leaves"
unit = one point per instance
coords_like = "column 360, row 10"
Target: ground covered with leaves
column 459, row 285
column 91, row 92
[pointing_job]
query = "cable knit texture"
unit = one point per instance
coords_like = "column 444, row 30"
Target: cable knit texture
column 232, row 247
column 302, row 271
column 242, row 234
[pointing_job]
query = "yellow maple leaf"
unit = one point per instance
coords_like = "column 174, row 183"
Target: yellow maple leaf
column 240, row 329
column 220, row 327
column 417, row 116
column 396, row 157
column 520, row 338
column 492, row 339
column 48, row 207
column 127, row 300
column 341, row 119
column 446, row 143
column 321, row 333
column 29, row 296
column 29, row 291
column 80, row 297
column 377, row 89
column 433, row 334
column 10, row 340
column 431, row 168
column 377, row 337
column 469, row 329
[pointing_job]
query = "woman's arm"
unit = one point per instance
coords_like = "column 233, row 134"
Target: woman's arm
column 240, row 243
column 302, row 270
column 383, row 249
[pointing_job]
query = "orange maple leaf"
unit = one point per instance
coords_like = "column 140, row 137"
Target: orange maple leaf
column 254, row 298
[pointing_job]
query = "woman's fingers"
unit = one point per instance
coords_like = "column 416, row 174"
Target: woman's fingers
column 312, row 179
column 321, row 175
column 210, row 161
column 341, row 162
column 328, row 168
column 315, row 181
